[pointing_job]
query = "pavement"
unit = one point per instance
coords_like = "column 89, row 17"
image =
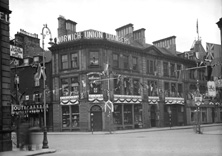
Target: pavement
column 35, row 152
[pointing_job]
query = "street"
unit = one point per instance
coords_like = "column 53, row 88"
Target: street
column 183, row 142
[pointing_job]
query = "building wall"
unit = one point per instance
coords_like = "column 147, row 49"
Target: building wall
column 5, row 107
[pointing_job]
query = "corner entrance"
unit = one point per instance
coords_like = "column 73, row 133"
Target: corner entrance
column 96, row 118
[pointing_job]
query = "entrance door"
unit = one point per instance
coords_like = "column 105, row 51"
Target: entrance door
column 96, row 118
column 153, row 115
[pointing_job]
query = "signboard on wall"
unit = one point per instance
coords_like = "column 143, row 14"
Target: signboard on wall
column 16, row 52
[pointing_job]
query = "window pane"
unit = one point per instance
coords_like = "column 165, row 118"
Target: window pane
column 172, row 70
column 128, row 114
column 166, row 89
column 136, row 87
column 125, row 62
column 126, row 86
column 165, row 69
column 115, row 60
column 64, row 61
column 75, row 115
column 135, row 63
column 65, row 116
column 65, row 87
column 94, row 58
column 74, row 86
column 74, row 60
column 117, row 114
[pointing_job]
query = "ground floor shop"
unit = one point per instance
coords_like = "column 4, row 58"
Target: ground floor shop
column 32, row 114
column 207, row 112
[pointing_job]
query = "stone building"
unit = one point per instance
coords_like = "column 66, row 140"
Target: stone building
column 5, row 107
column 92, row 70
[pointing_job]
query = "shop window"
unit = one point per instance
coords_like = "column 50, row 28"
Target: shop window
column 127, row 86
column 138, row 116
column 94, row 58
column 204, row 115
column 125, row 62
column 115, row 61
column 117, row 114
column 152, row 88
column 74, row 60
column 65, row 116
column 128, row 119
column 135, row 63
column 75, row 116
column 165, row 69
column 136, row 87
column 172, row 70
column 64, row 62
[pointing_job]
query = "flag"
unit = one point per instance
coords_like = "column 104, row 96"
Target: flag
column 43, row 72
column 83, row 83
column 211, row 88
column 197, row 27
column 106, row 69
column 37, row 75
column 210, row 52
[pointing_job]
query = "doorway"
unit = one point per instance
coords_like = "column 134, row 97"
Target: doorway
column 96, row 118
column 153, row 115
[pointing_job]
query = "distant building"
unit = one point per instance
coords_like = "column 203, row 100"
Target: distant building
column 26, row 89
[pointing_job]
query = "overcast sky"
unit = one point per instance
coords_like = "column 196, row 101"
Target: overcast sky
column 160, row 18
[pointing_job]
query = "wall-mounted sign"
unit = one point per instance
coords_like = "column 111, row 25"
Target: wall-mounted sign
column 4, row 17
column 16, row 52
column 92, row 34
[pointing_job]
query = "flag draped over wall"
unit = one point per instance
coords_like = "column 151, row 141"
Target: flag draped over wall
column 40, row 72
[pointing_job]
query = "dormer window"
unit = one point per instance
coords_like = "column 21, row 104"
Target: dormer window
column 26, row 62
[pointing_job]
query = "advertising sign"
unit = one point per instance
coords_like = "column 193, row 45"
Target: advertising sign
column 16, row 52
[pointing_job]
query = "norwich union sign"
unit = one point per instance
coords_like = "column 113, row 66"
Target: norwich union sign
column 92, row 34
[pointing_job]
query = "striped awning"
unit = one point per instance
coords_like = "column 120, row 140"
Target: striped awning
column 174, row 100
column 129, row 99
column 69, row 100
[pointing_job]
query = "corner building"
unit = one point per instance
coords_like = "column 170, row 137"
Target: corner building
column 91, row 67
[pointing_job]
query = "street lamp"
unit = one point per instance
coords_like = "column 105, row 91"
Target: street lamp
column 44, row 33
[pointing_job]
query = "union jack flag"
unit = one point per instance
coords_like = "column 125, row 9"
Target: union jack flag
column 210, row 49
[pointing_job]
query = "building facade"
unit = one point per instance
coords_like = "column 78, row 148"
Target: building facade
column 5, row 108
column 92, row 70
column 27, row 81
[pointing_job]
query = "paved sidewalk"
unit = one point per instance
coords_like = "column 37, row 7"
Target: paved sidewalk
column 17, row 152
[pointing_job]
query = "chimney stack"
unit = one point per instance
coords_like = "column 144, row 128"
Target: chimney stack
column 139, row 35
column 125, row 31
column 65, row 27
column 168, row 43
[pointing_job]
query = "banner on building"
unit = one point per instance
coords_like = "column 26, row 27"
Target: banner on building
column 211, row 88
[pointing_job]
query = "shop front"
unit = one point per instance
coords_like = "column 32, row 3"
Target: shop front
column 70, row 113
column 174, row 111
column 32, row 114
column 127, row 112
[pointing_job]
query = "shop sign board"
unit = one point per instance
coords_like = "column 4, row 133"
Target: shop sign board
column 92, row 34
column 16, row 52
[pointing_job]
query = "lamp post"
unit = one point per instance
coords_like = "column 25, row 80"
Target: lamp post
column 44, row 33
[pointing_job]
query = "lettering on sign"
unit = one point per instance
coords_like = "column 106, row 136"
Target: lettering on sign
column 16, row 52
column 92, row 34
column 28, row 34
column 4, row 17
